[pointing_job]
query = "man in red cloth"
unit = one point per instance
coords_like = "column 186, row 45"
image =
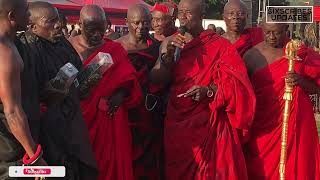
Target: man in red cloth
column 211, row 99
column 145, row 119
column 267, row 66
column 105, row 109
column 164, row 16
column 235, row 16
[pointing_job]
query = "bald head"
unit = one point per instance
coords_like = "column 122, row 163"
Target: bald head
column 235, row 16
column 138, row 21
column 199, row 4
column 44, row 21
column 92, row 13
column 274, row 33
column 40, row 9
column 138, row 10
column 231, row 4
column 93, row 24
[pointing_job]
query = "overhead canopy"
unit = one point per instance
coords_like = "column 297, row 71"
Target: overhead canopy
column 116, row 10
column 113, row 4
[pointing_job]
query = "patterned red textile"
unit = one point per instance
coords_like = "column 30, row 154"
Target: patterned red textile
column 303, row 146
column 201, row 139
column 110, row 136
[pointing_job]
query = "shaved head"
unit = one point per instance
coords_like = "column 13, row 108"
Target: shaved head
column 44, row 21
column 39, row 9
column 93, row 24
column 138, row 21
column 274, row 33
column 92, row 13
column 201, row 4
column 191, row 14
column 138, row 9
column 235, row 3
column 235, row 15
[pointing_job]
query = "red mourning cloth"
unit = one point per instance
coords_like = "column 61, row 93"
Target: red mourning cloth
column 110, row 136
column 249, row 38
column 303, row 145
column 201, row 139
column 146, row 125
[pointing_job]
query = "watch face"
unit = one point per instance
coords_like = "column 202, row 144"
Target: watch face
column 210, row 93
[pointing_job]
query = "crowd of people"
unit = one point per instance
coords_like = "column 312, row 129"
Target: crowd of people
column 181, row 103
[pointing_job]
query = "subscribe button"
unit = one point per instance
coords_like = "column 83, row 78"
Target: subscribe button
column 37, row 171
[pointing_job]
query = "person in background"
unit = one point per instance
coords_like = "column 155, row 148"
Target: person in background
column 74, row 30
column 220, row 31
column 235, row 16
column 164, row 16
column 211, row 100
column 63, row 21
column 212, row 27
column 64, row 134
column 267, row 67
column 19, row 103
column 110, row 34
column 145, row 119
column 105, row 108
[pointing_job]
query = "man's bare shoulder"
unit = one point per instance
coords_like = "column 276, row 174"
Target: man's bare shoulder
column 10, row 59
column 122, row 39
column 6, row 49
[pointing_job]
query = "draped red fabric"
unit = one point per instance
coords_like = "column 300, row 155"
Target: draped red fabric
column 303, row 146
column 249, row 38
column 201, row 139
column 146, row 125
column 110, row 136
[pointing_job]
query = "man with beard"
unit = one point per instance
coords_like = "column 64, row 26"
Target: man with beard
column 105, row 109
column 235, row 17
column 63, row 131
column 19, row 103
column 268, row 68
column 211, row 99
column 145, row 119
column 164, row 16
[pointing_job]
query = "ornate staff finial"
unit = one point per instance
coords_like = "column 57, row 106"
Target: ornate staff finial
column 291, row 52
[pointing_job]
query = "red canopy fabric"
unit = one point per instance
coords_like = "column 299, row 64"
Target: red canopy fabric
column 316, row 13
column 114, row 4
column 116, row 10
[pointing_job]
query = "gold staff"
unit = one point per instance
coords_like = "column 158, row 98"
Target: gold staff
column 291, row 54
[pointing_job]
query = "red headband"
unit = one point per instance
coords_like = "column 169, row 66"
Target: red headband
column 162, row 8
